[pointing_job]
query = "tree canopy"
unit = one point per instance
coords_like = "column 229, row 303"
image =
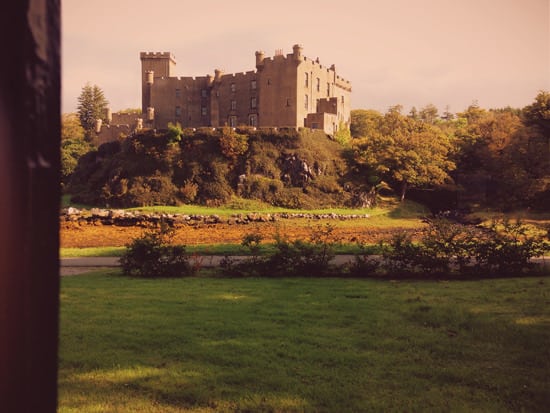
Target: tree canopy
column 405, row 152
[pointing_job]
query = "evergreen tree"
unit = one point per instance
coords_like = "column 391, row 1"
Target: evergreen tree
column 92, row 105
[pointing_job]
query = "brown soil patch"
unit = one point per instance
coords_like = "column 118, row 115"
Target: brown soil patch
column 81, row 236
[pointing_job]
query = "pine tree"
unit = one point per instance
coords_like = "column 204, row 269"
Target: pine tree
column 92, row 105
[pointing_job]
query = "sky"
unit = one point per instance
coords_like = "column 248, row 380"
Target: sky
column 448, row 53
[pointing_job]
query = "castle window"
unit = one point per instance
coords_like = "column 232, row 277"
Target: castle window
column 178, row 93
column 233, row 121
column 253, row 84
column 318, row 85
column 233, row 87
column 203, row 93
column 307, row 80
column 342, row 99
column 268, row 82
column 253, row 120
column 203, row 110
column 233, row 105
column 178, row 111
column 306, row 101
column 328, row 90
column 253, row 103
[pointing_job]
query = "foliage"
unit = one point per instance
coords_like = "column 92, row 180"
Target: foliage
column 175, row 132
column 496, row 158
column 71, row 127
column 71, row 151
column 538, row 113
column 211, row 167
column 151, row 256
column 92, row 105
column 450, row 248
column 364, row 122
column 233, row 144
column 296, row 258
column 404, row 152
column 343, row 134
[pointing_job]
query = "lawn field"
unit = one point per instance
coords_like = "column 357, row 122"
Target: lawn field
column 206, row 344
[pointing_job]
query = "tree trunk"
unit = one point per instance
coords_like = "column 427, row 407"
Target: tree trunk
column 403, row 190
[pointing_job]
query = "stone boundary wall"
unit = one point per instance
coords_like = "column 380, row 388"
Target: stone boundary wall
column 96, row 216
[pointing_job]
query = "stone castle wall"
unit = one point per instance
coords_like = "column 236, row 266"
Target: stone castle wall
column 282, row 92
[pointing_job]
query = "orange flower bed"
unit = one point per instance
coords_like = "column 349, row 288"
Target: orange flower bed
column 89, row 235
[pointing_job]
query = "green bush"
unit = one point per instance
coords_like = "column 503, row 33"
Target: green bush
column 508, row 249
column 450, row 248
column 291, row 258
column 151, row 256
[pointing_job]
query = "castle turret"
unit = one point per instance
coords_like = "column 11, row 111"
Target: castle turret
column 260, row 56
column 297, row 52
column 150, row 114
column 218, row 75
column 108, row 115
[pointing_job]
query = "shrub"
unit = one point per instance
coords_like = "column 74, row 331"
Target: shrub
column 151, row 256
column 291, row 259
column 508, row 249
column 305, row 259
column 502, row 249
column 364, row 263
column 189, row 190
column 253, row 266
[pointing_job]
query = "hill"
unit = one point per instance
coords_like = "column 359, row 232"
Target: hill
column 292, row 169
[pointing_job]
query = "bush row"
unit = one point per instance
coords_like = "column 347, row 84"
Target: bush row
column 447, row 249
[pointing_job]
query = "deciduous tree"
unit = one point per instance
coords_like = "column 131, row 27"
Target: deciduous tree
column 405, row 152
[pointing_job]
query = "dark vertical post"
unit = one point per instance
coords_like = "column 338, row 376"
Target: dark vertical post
column 29, row 205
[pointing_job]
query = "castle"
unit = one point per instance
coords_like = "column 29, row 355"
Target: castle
column 289, row 91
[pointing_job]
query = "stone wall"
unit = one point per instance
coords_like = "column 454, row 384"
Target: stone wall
column 96, row 216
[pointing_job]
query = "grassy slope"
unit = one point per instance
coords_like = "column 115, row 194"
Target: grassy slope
column 331, row 345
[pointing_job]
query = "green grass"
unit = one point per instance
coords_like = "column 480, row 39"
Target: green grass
column 213, row 249
column 293, row 345
column 91, row 252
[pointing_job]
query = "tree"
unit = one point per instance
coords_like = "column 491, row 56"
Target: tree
column 71, row 151
column 428, row 113
column 405, row 152
column 92, row 105
column 70, row 127
column 364, row 122
column 538, row 113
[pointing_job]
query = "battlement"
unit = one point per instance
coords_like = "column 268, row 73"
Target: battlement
column 241, row 74
column 157, row 55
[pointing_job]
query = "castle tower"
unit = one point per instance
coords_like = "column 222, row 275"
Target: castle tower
column 154, row 65
column 297, row 52
column 260, row 56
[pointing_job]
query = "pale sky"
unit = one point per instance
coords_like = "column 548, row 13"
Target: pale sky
column 408, row 52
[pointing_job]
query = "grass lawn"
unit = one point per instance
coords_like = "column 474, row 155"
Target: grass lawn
column 292, row 345
column 206, row 250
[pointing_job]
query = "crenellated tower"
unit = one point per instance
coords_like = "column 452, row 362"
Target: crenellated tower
column 154, row 65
